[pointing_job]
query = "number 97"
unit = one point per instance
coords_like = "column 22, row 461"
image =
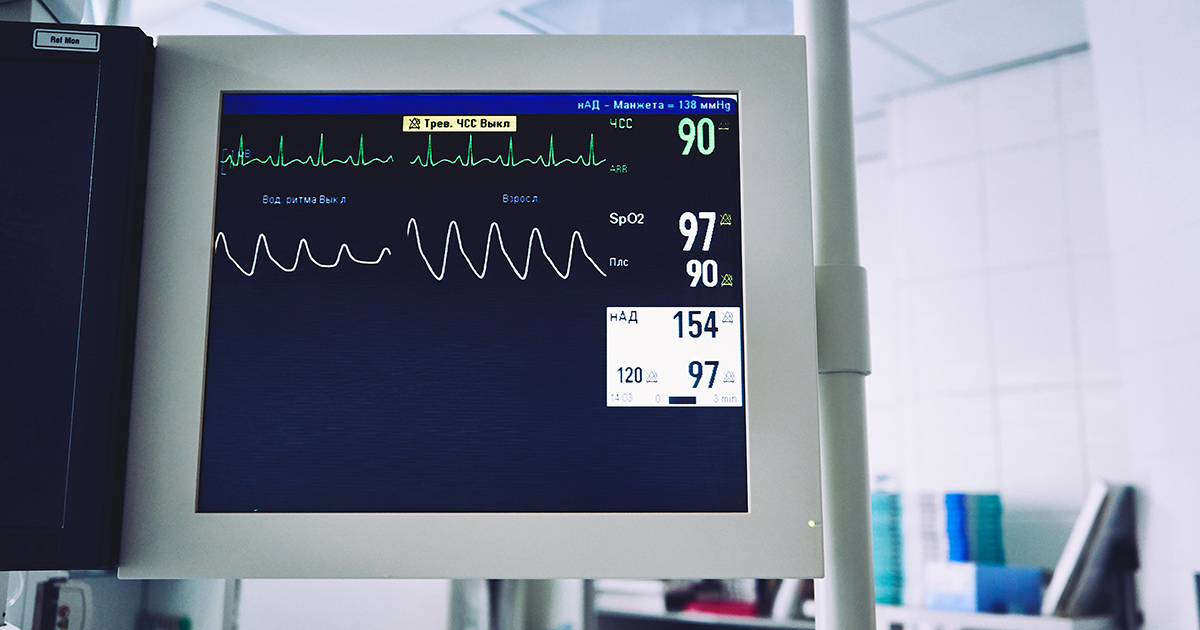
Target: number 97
column 696, row 371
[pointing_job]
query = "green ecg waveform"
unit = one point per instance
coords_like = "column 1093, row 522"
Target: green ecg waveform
column 508, row 159
column 240, row 159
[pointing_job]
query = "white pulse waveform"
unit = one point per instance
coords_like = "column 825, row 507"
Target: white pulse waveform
column 261, row 244
column 453, row 227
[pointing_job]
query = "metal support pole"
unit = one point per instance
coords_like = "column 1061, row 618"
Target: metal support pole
column 846, row 596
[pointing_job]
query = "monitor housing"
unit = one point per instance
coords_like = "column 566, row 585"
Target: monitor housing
column 347, row 367
column 75, row 113
column 1095, row 574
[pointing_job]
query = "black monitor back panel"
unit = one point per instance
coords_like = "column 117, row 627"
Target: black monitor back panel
column 74, row 114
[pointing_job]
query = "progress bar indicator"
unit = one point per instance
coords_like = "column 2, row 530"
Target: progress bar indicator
column 688, row 356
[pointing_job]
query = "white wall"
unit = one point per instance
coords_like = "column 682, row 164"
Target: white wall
column 992, row 319
column 1147, row 56
column 1033, row 243
column 317, row 604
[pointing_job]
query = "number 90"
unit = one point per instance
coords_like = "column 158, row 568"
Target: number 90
column 703, row 272
column 702, row 134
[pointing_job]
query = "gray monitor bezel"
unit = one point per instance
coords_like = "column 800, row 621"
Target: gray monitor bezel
column 781, row 534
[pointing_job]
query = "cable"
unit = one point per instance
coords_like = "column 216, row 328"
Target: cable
column 20, row 589
column 9, row 601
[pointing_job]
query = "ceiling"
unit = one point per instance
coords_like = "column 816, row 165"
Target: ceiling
column 897, row 46
column 900, row 46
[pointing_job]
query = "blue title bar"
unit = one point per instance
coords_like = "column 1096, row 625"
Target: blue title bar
column 475, row 104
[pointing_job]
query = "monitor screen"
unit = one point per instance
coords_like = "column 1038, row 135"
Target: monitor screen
column 422, row 306
column 475, row 302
